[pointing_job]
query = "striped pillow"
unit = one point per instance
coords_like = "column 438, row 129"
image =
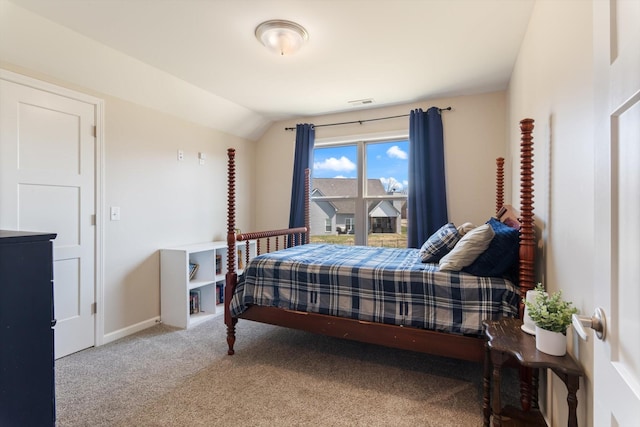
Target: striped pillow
column 440, row 243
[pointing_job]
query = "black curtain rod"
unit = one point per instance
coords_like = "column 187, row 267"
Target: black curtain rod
column 368, row 120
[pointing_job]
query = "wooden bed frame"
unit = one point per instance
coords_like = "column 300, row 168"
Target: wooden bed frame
column 407, row 338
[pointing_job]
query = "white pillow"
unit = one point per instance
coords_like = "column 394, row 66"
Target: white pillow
column 465, row 228
column 468, row 248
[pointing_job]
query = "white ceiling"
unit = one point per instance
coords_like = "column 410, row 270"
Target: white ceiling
column 392, row 51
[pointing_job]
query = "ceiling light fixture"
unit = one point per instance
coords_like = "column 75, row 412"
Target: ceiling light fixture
column 282, row 37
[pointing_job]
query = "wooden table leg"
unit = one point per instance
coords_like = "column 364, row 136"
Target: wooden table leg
column 572, row 383
column 486, row 382
column 497, row 359
column 534, row 388
column 525, row 388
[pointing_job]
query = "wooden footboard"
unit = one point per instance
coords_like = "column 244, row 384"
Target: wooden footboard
column 272, row 239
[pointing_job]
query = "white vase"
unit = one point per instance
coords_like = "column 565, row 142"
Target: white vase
column 553, row 343
column 527, row 323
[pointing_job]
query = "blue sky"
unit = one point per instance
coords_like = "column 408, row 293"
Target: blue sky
column 387, row 161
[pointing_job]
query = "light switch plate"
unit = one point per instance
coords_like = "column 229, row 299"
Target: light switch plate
column 115, row 213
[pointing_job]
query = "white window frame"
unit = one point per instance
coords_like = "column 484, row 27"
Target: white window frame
column 360, row 141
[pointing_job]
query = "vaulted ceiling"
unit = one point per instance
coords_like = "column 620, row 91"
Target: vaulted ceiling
column 390, row 51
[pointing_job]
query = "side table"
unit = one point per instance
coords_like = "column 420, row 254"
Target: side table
column 505, row 341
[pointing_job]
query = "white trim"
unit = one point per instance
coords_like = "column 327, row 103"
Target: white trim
column 124, row 332
column 98, row 183
column 47, row 87
column 368, row 137
column 100, row 225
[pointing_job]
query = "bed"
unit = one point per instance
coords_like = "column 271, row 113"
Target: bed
column 392, row 301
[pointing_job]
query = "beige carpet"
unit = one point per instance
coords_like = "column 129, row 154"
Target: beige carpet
column 278, row 377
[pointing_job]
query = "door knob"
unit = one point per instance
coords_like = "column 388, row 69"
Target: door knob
column 597, row 322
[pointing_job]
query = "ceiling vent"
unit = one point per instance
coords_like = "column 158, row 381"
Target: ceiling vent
column 358, row 102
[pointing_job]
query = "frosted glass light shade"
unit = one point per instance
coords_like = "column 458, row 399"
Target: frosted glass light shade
column 281, row 37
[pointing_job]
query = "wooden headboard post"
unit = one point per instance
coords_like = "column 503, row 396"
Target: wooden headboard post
column 499, row 184
column 231, row 277
column 527, row 232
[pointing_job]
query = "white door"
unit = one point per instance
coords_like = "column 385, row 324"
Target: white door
column 616, row 372
column 47, row 183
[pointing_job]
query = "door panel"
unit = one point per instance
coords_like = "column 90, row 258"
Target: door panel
column 37, row 125
column 627, row 319
column 616, row 371
column 47, row 183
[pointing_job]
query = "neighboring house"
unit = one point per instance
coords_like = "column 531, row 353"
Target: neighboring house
column 338, row 216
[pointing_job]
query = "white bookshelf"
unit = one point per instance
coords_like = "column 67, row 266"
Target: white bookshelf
column 176, row 287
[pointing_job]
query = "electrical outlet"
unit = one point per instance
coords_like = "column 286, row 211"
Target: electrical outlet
column 180, row 155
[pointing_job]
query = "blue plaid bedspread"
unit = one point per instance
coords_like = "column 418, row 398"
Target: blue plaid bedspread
column 383, row 285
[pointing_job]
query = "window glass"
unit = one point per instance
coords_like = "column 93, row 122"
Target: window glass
column 359, row 193
column 387, row 223
column 388, row 162
column 337, row 163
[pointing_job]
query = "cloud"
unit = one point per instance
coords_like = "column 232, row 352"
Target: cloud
column 396, row 153
column 342, row 164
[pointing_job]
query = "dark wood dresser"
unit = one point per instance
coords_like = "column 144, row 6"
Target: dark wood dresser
column 27, row 383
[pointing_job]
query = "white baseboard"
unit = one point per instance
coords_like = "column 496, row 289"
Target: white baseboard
column 121, row 333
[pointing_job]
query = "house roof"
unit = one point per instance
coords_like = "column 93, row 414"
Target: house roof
column 346, row 187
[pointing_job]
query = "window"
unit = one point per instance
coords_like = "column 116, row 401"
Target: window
column 348, row 225
column 360, row 187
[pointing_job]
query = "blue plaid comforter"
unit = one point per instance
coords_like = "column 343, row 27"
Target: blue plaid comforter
column 382, row 285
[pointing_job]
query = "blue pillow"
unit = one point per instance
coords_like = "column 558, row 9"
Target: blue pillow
column 501, row 254
column 440, row 243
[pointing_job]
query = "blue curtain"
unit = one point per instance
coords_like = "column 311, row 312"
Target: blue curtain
column 427, row 198
column 305, row 136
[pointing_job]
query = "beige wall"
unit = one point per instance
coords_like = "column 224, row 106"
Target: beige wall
column 474, row 135
column 553, row 83
column 164, row 202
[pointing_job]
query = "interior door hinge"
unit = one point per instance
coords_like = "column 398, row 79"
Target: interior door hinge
column 94, row 131
column 94, row 308
column 93, row 219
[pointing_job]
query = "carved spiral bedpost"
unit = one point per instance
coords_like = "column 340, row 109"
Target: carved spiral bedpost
column 231, row 276
column 527, row 242
column 499, row 184
column 527, row 231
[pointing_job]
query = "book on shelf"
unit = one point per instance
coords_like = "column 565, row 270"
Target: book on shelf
column 194, row 301
column 219, row 293
column 240, row 260
column 218, row 264
column 193, row 267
